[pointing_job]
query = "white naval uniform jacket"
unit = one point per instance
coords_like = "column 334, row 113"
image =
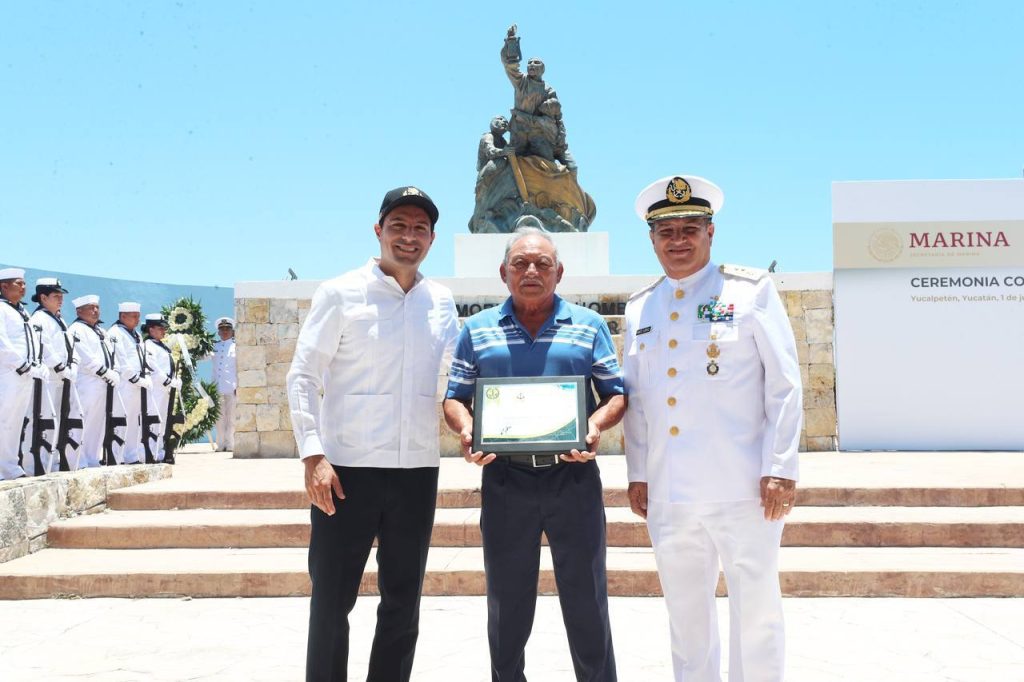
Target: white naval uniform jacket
column 159, row 361
column 54, row 346
column 94, row 353
column 225, row 371
column 18, row 341
column 377, row 353
column 696, row 435
column 128, row 353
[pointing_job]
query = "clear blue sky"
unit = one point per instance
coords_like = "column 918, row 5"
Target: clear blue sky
column 216, row 142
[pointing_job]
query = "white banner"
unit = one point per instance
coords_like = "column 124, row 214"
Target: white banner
column 929, row 314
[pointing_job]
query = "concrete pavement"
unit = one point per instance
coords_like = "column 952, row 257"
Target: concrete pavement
column 829, row 640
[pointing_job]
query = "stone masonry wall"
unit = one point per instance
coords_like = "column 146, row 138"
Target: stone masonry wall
column 268, row 327
column 29, row 505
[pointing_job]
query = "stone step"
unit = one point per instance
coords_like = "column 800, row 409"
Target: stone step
column 804, row 571
column 200, row 496
column 460, row 527
column 912, row 479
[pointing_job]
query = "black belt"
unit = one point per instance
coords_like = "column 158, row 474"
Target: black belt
column 534, row 461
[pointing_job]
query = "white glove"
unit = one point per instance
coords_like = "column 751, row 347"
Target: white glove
column 66, row 372
column 175, row 383
column 146, row 383
column 111, row 377
column 40, row 372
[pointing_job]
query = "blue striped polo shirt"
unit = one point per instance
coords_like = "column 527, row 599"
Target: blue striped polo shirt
column 573, row 341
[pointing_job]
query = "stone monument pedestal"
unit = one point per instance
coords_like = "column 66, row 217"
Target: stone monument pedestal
column 582, row 253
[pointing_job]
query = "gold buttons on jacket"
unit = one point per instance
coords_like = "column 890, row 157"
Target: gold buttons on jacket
column 674, row 316
column 671, row 371
column 672, row 343
column 671, row 401
column 680, row 293
column 674, row 430
column 642, row 346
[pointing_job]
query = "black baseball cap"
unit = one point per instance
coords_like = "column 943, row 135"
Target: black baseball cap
column 408, row 195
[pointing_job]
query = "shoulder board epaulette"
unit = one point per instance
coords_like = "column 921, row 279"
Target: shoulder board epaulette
column 743, row 272
column 646, row 289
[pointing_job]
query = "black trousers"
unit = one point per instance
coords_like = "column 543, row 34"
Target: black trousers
column 566, row 503
column 395, row 506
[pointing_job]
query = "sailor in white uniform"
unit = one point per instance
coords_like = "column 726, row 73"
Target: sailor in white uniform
column 96, row 373
column 225, row 376
column 129, row 357
column 18, row 367
column 57, row 353
column 712, row 432
column 161, row 363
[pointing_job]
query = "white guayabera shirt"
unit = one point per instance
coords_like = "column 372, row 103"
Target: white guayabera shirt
column 376, row 354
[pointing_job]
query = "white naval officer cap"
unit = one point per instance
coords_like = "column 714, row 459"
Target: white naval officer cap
column 225, row 322
column 679, row 196
column 11, row 273
column 129, row 307
column 88, row 299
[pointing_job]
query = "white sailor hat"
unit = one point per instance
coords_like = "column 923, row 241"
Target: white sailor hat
column 11, row 273
column 88, row 299
column 225, row 322
column 129, row 307
column 47, row 285
column 155, row 319
column 679, row 196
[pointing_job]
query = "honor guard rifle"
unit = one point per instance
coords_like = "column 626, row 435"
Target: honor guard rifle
column 147, row 418
column 110, row 436
column 171, row 439
column 40, row 424
column 66, row 422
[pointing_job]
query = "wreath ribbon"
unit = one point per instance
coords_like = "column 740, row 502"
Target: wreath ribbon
column 186, row 357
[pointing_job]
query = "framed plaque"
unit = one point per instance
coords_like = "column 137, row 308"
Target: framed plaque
column 530, row 415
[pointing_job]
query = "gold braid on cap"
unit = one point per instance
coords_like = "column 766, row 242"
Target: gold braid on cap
column 679, row 212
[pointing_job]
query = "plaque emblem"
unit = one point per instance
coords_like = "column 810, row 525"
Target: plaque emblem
column 678, row 191
column 492, row 393
column 885, row 245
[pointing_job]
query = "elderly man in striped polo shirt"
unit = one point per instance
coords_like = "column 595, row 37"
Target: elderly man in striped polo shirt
column 536, row 333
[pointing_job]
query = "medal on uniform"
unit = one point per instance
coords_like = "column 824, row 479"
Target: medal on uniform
column 713, row 352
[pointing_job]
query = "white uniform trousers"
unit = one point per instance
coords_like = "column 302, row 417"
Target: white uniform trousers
column 226, row 422
column 15, row 398
column 156, row 402
column 131, row 452
column 688, row 541
column 92, row 396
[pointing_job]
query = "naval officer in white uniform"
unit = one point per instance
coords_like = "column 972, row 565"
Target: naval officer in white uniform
column 161, row 364
column 18, row 367
column 712, row 432
column 96, row 375
column 57, row 354
column 130, row 362
column 225, row 375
